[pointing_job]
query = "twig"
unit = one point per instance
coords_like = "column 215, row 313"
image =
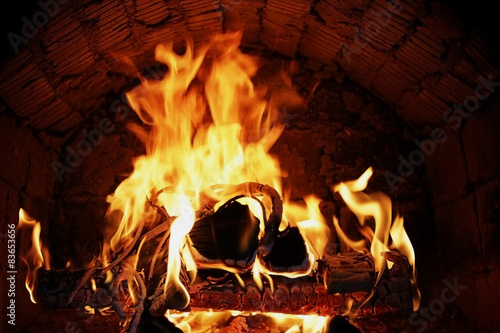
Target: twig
column 160, row 209
column 139, row 308
column 159, row 289
column 159, row 229
column 127, row 250
column 155, row 255
column 86, row 276
column 117, row 304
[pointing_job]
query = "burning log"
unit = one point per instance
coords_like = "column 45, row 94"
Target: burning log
column 345, row 274
column 229, row 235
column 55, row 288
column 253, row 189
column 340, row 281
column 304, row 296
column 172, row 298
column 289, row 253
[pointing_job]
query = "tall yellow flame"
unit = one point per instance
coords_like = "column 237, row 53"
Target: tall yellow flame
column 204, row 124
column 33, row 258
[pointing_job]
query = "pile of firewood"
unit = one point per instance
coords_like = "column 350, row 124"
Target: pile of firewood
column 342, row 284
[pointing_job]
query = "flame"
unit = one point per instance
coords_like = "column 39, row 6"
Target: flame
column 34, row 257
column 376, row 205
column 379, row 207
column 180, row 228
column 87, row 309
column 402, row 243
column 311, row 224
column 195, row 138
column 206, row 126
column 209, row 321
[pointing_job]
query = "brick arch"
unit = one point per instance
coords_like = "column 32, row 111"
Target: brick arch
column 413, row 55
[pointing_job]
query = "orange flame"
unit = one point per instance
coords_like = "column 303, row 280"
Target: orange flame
column 402, row 243
column 206, row 126
column 34, row 257
column 204, row 321
column 180, row 229
column 379, row 207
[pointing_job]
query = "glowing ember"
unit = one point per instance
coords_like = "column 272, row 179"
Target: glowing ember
column 232, row 321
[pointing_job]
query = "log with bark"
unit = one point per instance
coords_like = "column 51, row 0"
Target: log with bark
column 339, row 280
column 339, row 284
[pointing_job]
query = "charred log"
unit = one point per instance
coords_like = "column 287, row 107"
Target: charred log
column 304, row 295
column 348, row 273
column 229, row 235
column 291, row 296
column 55, row 288
column 310, row 295
column 289, row 253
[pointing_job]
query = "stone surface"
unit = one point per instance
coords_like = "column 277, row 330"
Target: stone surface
column 446, row 170
column 405, row 51
column 458, row 236
column 488, row 212
column 481, row 137
column 478, row 300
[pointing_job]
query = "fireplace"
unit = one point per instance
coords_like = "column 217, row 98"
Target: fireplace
column 407, row 88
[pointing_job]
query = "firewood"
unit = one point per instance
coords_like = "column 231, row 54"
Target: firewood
column 54, row 288
column 289, row 253
column 291, row 296
column 348, row 273
column 271, row 222
column 230, row 235
column 303, row 295
column 172, row 298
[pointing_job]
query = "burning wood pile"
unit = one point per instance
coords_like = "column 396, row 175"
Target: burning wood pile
column 202, row 225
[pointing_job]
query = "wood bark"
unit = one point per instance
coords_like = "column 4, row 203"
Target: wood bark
column 304, row 295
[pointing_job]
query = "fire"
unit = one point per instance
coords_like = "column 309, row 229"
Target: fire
column 207, row 127
column 376, row 205
column 402, row 243
column 207, row 130
column 379, row 207
column 208, row 321
column 180, row 228
column 34, row 257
